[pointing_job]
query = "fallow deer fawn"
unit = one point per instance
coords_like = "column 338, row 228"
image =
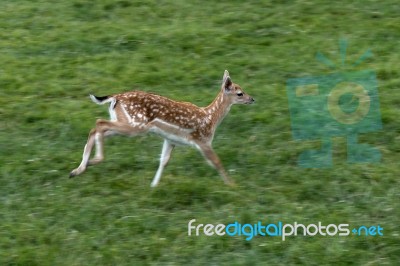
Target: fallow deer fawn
column 138, row 112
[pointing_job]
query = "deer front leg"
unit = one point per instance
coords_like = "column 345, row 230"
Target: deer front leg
column 165, row 155
column 212, row 158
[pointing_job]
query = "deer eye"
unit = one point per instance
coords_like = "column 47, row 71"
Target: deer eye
column 240, row 94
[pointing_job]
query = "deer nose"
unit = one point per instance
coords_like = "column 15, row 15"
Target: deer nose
column 252, row 100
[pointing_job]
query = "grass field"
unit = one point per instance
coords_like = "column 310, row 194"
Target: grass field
column 54, row 53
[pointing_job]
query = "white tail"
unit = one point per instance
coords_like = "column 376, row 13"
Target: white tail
column 138, row 112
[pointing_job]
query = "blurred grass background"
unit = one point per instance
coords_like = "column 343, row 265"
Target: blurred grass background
column 54, row 53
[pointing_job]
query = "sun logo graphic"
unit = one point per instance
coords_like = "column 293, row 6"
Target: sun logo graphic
column 340, row 104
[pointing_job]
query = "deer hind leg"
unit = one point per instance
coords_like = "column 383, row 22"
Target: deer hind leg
column 165, row 156
column 96, row 136
column 86, row 154
column 99, row 144
column 212, row 158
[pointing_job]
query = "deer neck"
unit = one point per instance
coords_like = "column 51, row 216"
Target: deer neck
column 218, row 109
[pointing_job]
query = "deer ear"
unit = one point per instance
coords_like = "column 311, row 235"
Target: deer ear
column 226, row 74
column 227, row 84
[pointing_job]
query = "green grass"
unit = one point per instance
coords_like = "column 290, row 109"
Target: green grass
column 54, row 53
